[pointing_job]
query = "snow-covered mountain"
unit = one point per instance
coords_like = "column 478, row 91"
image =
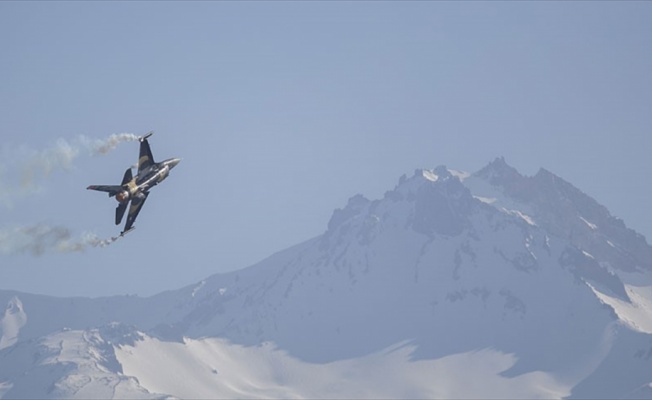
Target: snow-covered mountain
column 490, row 284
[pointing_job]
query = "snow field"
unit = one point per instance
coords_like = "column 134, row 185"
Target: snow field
column 214, row 368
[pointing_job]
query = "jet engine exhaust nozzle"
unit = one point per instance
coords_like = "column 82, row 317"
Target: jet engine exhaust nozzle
column 122, row 196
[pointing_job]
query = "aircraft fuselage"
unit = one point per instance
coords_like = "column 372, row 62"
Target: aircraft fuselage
column 148, row 178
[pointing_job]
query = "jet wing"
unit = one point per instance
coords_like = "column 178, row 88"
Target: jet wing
column 136, row 204
column 145, row 158
column 120, row 212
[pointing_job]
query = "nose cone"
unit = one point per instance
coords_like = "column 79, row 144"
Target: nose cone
column 172, row 162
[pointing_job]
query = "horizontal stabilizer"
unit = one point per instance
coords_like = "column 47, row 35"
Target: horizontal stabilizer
column 112, row 190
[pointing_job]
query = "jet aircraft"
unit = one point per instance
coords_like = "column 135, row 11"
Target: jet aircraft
column 135, row 189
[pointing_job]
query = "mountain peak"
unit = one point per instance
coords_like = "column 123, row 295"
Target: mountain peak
column 498, row 172
column 565, row 211
column 353, row 207
column 454, row 273
column 438, row 173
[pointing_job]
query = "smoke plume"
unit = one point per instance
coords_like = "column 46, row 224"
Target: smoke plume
column 103, row 146
column 39, row 238
column 23, row 170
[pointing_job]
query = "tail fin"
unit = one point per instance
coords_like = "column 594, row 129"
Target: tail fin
column 127, row 177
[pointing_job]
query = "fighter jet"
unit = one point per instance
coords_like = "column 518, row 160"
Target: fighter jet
column 135, row 189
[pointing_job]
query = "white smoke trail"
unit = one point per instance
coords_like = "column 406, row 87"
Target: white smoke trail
column 35, row 166
column 22, row 172
column 40, row 164
column 103, row 146
column 39, row 238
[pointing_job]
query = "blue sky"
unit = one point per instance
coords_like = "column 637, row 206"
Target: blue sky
column 281, row 111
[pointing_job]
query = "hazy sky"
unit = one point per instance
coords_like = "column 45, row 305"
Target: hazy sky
column 281, row 111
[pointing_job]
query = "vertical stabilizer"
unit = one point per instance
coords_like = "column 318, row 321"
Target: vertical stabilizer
column 127, row 177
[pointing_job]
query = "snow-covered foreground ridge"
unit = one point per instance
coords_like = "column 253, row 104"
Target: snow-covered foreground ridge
column 453, row 285
column 213, row 368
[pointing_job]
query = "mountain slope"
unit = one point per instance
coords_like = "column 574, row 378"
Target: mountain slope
column 67, row 364
column 523, row 285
